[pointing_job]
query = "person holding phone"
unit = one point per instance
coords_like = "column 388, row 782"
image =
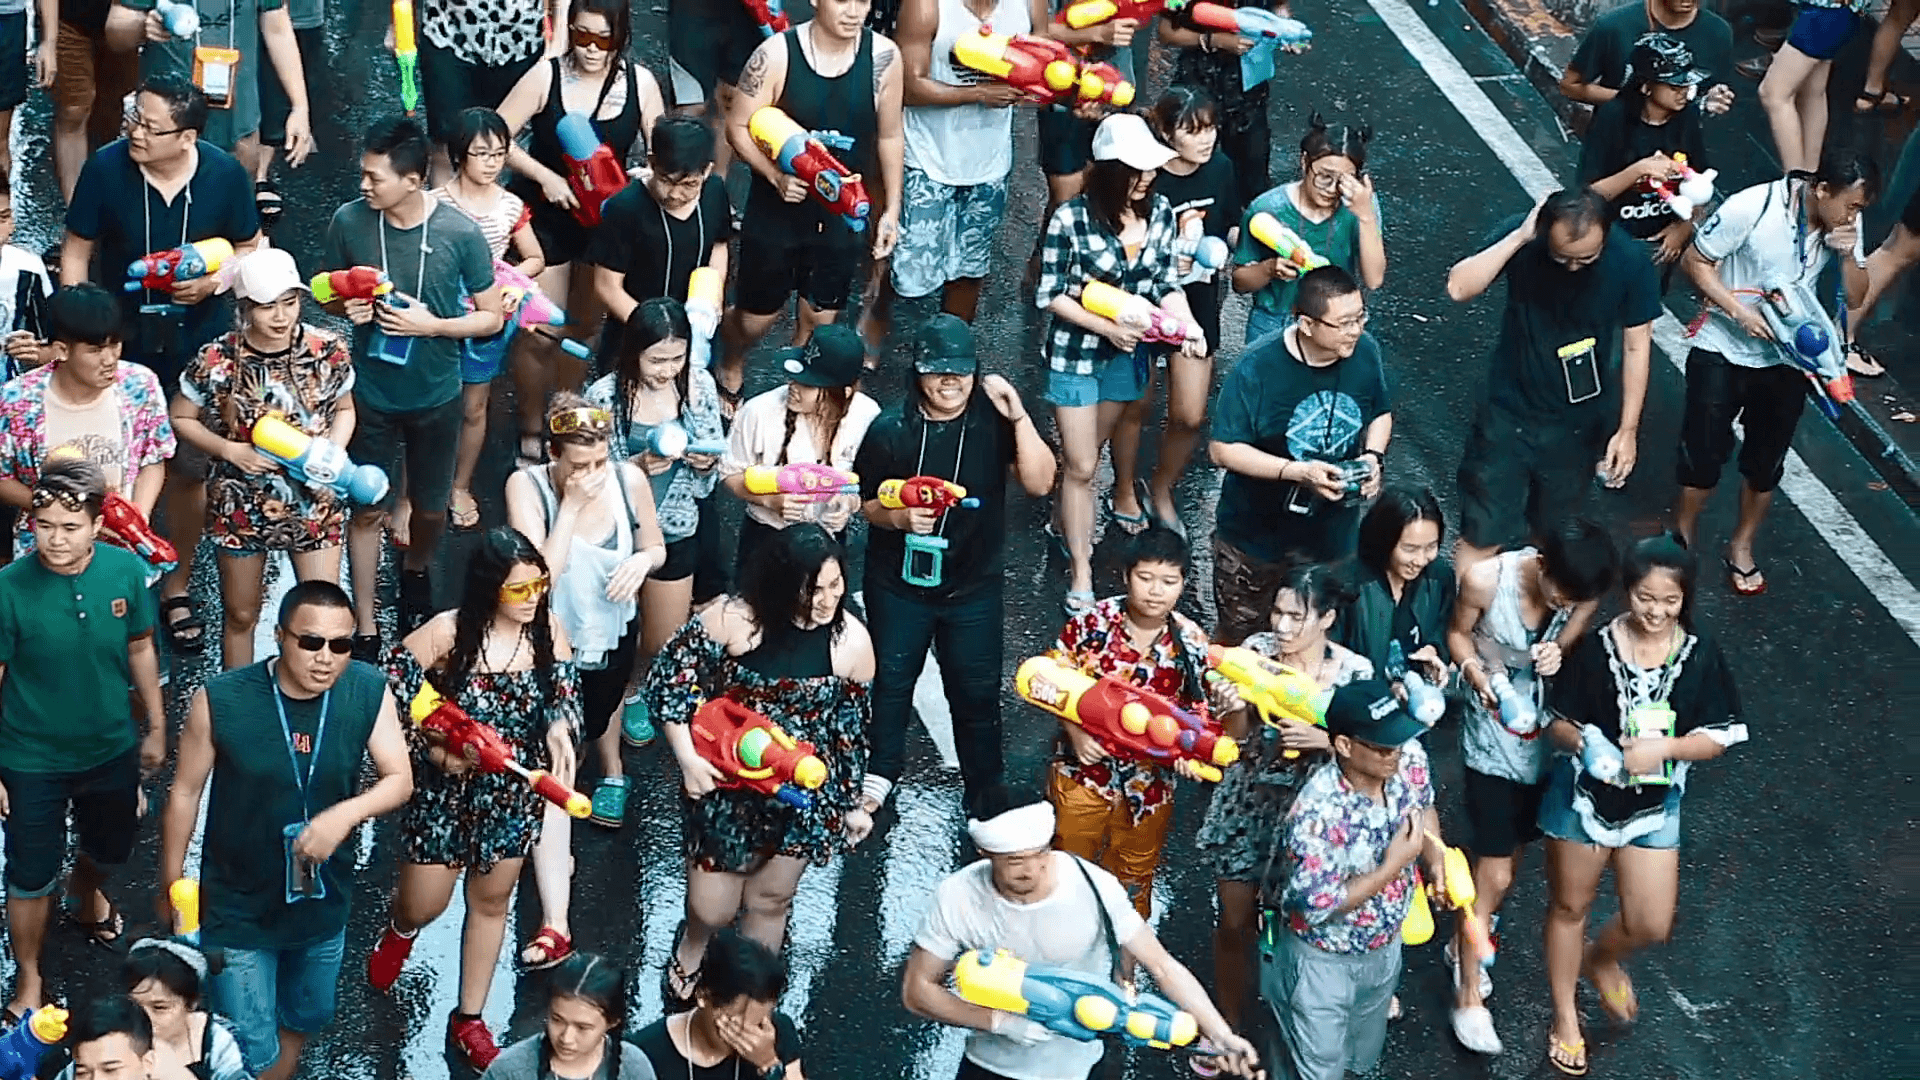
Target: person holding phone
column 1571, row 361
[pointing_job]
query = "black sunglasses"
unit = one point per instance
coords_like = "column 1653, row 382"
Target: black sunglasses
column 339, row 646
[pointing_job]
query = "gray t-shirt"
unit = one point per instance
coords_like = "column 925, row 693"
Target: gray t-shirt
column 441, row 263
column 224, row 24
column 521, row 1061
column 1062, row 930
column 308, row 15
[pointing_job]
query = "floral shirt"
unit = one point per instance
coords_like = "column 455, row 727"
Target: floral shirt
column 1095, row 641
column 145, row 434
column 1335, row 833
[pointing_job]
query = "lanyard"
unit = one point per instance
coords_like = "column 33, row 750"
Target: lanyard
column 286, row 730
column 420, row 278
column 146, row 211
column 960, row 451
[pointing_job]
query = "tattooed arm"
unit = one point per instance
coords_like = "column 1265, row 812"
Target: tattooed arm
column 888, row 86
column 760, row 85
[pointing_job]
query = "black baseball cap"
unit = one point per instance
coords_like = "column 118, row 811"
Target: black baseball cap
column 831, row 358
column 1367, row 710
column 944, row 346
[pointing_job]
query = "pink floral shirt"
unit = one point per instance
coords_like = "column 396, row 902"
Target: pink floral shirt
column 145, row 432
column 1335, row 833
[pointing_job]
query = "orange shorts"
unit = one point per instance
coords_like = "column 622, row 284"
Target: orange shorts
column 92, row 76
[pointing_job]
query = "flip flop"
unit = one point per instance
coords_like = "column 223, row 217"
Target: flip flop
column 1886, row 101
column 187, row 634
column 1618, row 1001
column 1742, row 580
column 1569, row 1058
column 105, row 933
column 461, row 517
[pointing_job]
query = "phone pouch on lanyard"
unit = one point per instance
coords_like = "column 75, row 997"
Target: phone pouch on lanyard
column 303, row 874
column 394, row 350
column 1656, row 721
column 157, row 330
column 214, row 70
column 1581, row 366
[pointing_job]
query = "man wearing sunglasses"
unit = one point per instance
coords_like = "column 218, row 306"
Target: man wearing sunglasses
column 281, row 743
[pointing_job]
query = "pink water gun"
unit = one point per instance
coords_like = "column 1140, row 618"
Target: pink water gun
column 1154, row 322
column 803, row 479
column 536, row 308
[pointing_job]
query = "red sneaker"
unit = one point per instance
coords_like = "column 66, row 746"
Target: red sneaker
column 387, row 958
column 474, row 1041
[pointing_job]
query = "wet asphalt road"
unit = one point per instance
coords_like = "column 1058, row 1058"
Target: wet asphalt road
column 1795, row 873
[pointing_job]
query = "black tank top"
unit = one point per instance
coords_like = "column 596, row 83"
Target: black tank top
column 843, row 104
column 798, row 654
column 618, row 133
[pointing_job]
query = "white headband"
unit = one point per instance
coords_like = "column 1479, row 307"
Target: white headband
column 187, row 954
column 1023, row 828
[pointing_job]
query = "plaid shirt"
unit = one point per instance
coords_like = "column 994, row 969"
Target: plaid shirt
column 1079, row 249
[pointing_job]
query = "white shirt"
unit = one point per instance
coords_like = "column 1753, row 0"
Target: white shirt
column 963, row 145
column 1062, row 930
column 1757, row 239
column 761, row 423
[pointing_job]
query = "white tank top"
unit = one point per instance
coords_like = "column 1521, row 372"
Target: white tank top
column 963, row 145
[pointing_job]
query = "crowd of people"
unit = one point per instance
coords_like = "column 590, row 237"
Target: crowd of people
column 608, row 611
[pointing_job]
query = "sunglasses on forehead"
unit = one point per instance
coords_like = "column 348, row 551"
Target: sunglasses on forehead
column 575, row 421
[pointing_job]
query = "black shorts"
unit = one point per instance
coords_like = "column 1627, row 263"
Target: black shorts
column 602, row 689
column 13, row 60
column 562, row 238
column 450, row 86
column 777, row 260
column 1768, row 402
column 712, row 50
column 1204, row 298
column 274, row 104
column 425, row 438
column 683, row 558
column 1521, row 477
column 104, row 800
column 1066, row 142
column 1501, row 814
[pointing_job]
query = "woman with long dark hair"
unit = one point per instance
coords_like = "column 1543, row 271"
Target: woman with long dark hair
column 1404, row 589
column 1651, row 694
column 785, row 647
column 503, row 657
column 581, row 1036
column 1631, row 144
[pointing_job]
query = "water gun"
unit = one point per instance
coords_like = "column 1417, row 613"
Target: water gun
column 1804, row 333
column 1518, row 713
column 1275, row 690
column 1284, row 241
column 1207, row 252
column 180, row 17
column 481, row 744
column 1154, row 322
column 670, row 439
column 1461, row 895
column 1600, row 758
column 320, row 463
column 1680, row 205
column 814, row 483
column 1084, row 13
column 1417, row 927
column 704, row 302
column 1424, row 700
column 22, row 1048
column 756, row 753
column 925, row 493
column 163, row 270
column 184, row 895
column 770, row 16
column 353, row 283
column 802, row 154
column 535, row 308
column 1071, row 1003
column 1129, row 722
column 132, row 527
column 406, row 54
column 1695, row 186
column 1265, row 28
column 1047, row 71
column 593, row 171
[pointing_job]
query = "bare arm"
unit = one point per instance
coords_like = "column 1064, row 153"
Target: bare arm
column 648, row 540
column 190, row 771
column 1178, row 984
column 1469, row 606
column 125, row 30
column 276, row 33
column 527, row 514
column 76, row 254
column 485, row 320
column 608, row 286
column 1373, row 247
column 146, row 487
column 1249, row 460
column 1702, row 271
column 892, row 135
column 1576, row 87
column 760, row 85
column 144, row 660
column 532, row 259
column 717, row 259
column 1033, row 461
column 1476, row 273
column 1577, row 624
column 188, row 426
column 523, row 102
column 919, row 19
column 345, row 419
column 392, row 768
column 1636, row 355
column 924, row 992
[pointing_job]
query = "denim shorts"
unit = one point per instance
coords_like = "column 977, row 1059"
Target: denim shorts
column 1559, row 820
column 1122, row 378
column 263, row 991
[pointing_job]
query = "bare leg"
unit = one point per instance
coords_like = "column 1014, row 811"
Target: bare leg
column 1573, row 876
column 1686, row 513
column 807, row 319
column 321, row 565
column 769, row 899
column 473, row 436
column 426, row 527
column 553, row 866
column 486, row 927
column 584, row 315
column 241, row 594
column 363, row 550
column 1233, row 940
column 1886, row 42
column 1648, row 883
column 1080, row 444
column 70, row 148
column 1813, row 115
column 961, row 297
column 529, row 360
column 421, row 894
column 183, row 510
column 1753, row 510
column 1129, row 418
column 291, row 1043
column 713, row 901
column 876, row 318
column 1783, row 93
column 27, row 931
column 739, row 332
column 1187, row 385
column 1890, row 260
column 1492, row 878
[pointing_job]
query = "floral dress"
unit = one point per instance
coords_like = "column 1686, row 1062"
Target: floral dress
column 477, row 819
column 1095, row 641
column 1242, row 830
column 736, row 830
column 235, row 385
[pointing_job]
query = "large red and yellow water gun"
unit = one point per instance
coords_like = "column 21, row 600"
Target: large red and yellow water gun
column 1084, row 13
column 1127, row 721
column 1048, row 72
column 755, row 753
column 925, row 493
column 801, row 153
column 353, row 283
column 460, row 734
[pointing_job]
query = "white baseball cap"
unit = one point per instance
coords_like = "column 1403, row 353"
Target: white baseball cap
column 264, row 275
column 1125, row 137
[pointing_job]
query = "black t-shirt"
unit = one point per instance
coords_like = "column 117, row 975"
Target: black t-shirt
column 668, row 1062
column 87, row 15
column 1603, row 53
column 1617, row 139
column 1274, row 402
column 654, row 251
column 1560, row 332
column 976, row 539
column 1208, row 190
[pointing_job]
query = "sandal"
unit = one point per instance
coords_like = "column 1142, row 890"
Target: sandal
column 188, row 634
column 1884, row 101
column 553, row 946
column 463, row 517
column 527, row 459
column 1569, row 1058
column 105, row 933
column 609, row 802
column 1742, row 580
column 1862, row 363
column 673, row 976
column 267, row 201
column 1132, row 524
column 1618, row 1001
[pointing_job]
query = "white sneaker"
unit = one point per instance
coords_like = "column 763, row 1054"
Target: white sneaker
column 1453, row 962
column 1474, row 1028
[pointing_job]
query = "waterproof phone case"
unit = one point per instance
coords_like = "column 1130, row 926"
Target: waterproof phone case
column 925, row 561
column 303, row 874
column 1582, row 370
column 1656, row 721
column 392, row 349
column 214, row 70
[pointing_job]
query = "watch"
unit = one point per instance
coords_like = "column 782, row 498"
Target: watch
column 774, row 1071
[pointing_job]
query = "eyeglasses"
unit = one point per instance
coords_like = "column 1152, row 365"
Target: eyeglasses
column 603, row 42
column 338, row 646
column 525, row 592
column 1375, row 748
column 1326, row 178
column 574, row 421
column 136, row 122
column 488, row 155
column 1348, row 326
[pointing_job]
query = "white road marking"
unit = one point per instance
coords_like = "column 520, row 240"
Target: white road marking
column 1836, row 526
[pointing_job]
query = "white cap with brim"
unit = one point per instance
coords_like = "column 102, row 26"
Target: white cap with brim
column 1125, row 138
column 1023, row 828
column 265, row 275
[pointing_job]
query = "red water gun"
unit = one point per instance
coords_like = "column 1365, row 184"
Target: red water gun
column 1047, row 71
column 353, row 283
column 593, row 171
column 1129, row 722
column 925, row 493
column 804, row 154
column 1085, row 13
column 756, row 753
column 770, row 16
column 481, row 744
column 131, row 526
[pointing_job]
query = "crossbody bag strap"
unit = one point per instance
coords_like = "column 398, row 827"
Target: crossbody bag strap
column 1106, row 920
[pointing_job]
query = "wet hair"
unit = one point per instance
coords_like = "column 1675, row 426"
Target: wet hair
column 1664, row 551
column 1579, row 556
column 1324, row 587
column 565, row 401
column 736, row 966
column 1319, row 288
column 659, row 319
column 595, row 980
column 71, row 478
column 160, row 960
column 1580, row 209
column 1326, row 140
column 475, row 125
column 1183, row 108
column 115, row 1014
column 778, row 582
column 1840, row 168
column 680, row 145
column 494, row 557
column 834, row 403
column 619, row 16
column 186, row 105
column 1397, row 508
column 1158, row 544
column 1108, row 184
column 84, row 314
column 314, row 593
column 402, row 140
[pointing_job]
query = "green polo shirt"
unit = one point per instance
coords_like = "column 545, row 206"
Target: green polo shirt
column 64, row 702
